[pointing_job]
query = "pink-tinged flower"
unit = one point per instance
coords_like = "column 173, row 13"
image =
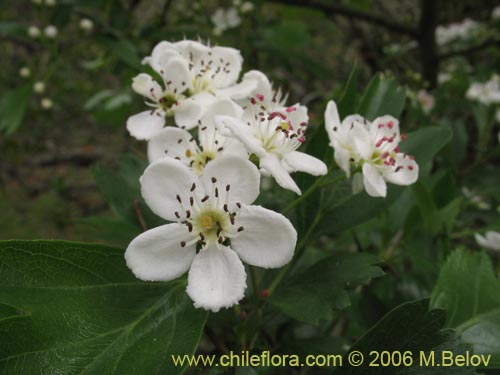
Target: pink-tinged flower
column 214, row 229
column 272, row 134
column 192, row 76
column 371, row 146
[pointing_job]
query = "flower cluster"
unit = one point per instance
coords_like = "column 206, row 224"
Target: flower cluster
column 373, row 149
column 455, row 31
column 205, row 168
column 487, row 93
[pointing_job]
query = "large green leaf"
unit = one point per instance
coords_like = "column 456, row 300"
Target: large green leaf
column 425, row 143
column 383, row 96
column 409, row 327
column 469, row 290
column 312, row 295
column 12, row 108
column 466, row 287
column 79, row 310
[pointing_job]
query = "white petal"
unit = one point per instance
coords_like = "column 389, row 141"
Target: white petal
column 407, row 171
column 171, row 142
column 273, row 166
column 375, row 185
column 491, row 240
column 233, row 127
column 302, row 162
column 162, row 182
column 332, row 119
column 187, row 113
column 263, row 86
column 217, row 279
column 361, row 141
column 239, row 91
column 145, row 125
column 342, row 159
column 231, row 65
column 298, row 115
column 145, row 85
column 157, row 254
column 268, row 238
column 388, row 127
column 240, row 174
column 177, row 76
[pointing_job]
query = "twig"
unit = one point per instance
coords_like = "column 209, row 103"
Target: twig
column 138, row 214
column 470, row 50
column 333, row 9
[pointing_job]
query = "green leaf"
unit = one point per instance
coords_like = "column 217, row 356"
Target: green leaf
column 313, row 294
column 124, row 50
column 349, row 101
column 468, row 289
column 408, row 327
column 12, row 108
column 12, row 28
column 425, row 143
column 355, row 210
column 383, row 96
column 82, row 311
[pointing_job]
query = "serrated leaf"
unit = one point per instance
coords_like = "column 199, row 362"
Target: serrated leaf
column 383, row 96
column 468, row 289
column 12, row 108
column 81, row 311
column 314, row 294
column 408, row 327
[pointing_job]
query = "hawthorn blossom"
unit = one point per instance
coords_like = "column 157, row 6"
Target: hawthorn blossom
column 372, row 147
column 211, row 213
column 193, row 75
column 426, row 101
column 491, row 240
column 273, row 138
column 225, row 19
column 181, row 145
column 50, row 31
column 455, row 31
column 486, row 93
column 34, row 31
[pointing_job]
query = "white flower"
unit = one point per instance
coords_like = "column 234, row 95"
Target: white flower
column 426, row 100
column 495, row 14
column 86, row 24
column 225, row 19
column 33, row 31
column 247, row 7
column 50, row 31
column 455, row 31
column 214, row 213
column 25, row 72
column 46, row 103
column 273, row 137
column 39, row 87
column 491, row 240
column 444, row 77
column 475, row 199
column 193, row 75
column 371, row 146
column 486, row 93
column 269, row 98
column 181, row 145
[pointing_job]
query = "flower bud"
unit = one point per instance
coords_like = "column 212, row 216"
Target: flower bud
column 86, row 24
column 50, row 31
column 33, row 31
column 46, row 103
column 25, row 72
column 39, row 87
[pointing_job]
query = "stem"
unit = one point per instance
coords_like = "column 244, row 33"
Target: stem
column 255, row 282
column 298, row 254
column 138, row 214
